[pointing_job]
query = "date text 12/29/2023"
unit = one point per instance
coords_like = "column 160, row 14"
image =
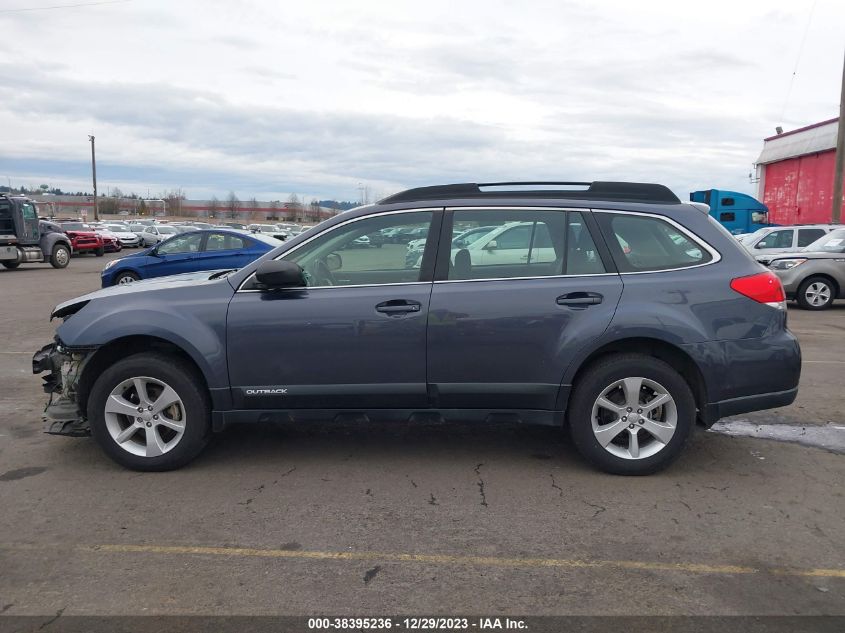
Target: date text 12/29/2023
column 416, row 623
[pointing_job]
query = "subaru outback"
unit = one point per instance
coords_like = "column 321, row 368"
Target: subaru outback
column 612, row 309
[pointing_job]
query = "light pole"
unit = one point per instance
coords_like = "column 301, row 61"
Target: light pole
column 839, row 174
column 94, row 174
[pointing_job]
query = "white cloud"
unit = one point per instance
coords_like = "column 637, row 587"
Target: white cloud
column 265, row 97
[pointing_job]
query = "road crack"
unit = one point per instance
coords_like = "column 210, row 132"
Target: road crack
column 481, row 485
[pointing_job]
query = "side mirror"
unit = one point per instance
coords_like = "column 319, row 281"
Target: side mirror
column 280, row 273
column 491, row 245
column 334, row 262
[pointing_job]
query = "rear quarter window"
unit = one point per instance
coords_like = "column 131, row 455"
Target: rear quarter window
column 643, row 243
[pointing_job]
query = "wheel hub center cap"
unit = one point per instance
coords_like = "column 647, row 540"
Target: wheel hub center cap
column 633, row 418
column 147, row 416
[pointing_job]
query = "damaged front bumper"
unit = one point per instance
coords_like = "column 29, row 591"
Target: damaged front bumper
column 62, row 415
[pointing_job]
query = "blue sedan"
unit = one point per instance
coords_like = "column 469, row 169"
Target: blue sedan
column 215, row 249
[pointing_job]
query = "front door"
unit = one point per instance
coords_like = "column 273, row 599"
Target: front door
column 354, row 338
column 511, row 310
column 174, row 256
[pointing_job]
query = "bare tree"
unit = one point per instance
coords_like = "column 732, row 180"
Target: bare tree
column 294, row 206
column 213, row 206
column 172, row 201
column 274, row 210
column 314, row 213
column 253, row 209
column 232, row 205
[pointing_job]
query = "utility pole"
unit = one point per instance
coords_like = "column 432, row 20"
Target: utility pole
column 94, row 174
column 839, row 175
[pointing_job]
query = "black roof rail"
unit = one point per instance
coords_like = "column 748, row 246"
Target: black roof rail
column 598, row 190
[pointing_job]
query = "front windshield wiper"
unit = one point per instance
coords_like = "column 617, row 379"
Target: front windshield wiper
column 222, row 273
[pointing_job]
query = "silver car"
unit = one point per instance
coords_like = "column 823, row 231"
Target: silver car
column 155, row 233
column 815, row 277
column 765, row 243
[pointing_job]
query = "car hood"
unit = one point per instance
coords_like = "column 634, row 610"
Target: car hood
column 809, row 255
column 146, row 285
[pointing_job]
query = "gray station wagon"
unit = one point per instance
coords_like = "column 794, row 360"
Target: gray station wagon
column 611, row 309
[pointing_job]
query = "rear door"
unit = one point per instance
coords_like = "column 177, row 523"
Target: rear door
column 225, row 250
column 502, row 330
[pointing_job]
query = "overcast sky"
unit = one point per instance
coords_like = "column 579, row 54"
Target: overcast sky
column 271, row 97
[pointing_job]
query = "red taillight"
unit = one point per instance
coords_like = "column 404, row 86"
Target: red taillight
column 762, row 287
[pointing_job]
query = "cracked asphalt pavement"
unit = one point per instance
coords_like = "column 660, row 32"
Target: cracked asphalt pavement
column 375, row 519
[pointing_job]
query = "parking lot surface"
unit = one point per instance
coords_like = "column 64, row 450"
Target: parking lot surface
column 375, row 519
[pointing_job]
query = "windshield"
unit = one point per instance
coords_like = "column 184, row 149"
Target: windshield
column 167, row 230
column 747, row 237
column 833, row 242
column 74, row 226
column 114, row 227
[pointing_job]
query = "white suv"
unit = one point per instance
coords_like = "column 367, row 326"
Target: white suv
column 773, row 240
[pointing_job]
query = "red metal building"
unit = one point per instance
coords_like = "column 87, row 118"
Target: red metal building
column 796, row 174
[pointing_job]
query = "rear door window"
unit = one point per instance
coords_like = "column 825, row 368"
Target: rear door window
column 224, row 242
column 808, row 236
column 642, row 243
column 516, row 243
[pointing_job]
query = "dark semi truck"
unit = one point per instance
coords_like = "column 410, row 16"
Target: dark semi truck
column 24, row 238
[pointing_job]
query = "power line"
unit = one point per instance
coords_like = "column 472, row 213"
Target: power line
column 798, row 60
column 64, row 6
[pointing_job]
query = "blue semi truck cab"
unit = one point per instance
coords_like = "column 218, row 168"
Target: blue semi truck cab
column 737, row 212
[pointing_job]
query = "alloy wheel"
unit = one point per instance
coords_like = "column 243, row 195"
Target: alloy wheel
column 817, row 293
column 634, row 418
column 145, row 416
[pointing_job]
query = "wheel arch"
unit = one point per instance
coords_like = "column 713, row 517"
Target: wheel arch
column 671, row 354
column 124, row 347
column 838, row 289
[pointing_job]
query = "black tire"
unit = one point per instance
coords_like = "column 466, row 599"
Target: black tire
column 187, row 383
column 100, row 251
column 11, row 265
column 125, row 275
column 603, row 374
column 60, row 257
column 804, row 302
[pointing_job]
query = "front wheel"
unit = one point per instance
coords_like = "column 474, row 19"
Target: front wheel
column 125, row 277
column 100, row 251
column 816, row 293
column 631, row 414
column 60, row 257
column 11, row 265
column 149, row 412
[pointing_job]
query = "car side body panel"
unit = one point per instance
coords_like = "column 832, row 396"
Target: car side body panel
column 188, row 311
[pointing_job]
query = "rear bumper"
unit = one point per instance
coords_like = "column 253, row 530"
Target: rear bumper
column 714, row 411
column 746, row 375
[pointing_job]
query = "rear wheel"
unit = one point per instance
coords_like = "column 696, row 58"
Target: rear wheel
column 126, row 277
column 148, row 412
column 60, row 257
column 100, row 251
column 816, row 293
column 631, row 414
